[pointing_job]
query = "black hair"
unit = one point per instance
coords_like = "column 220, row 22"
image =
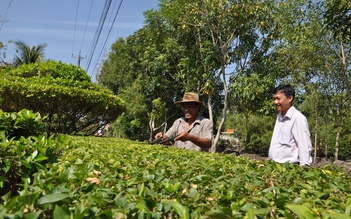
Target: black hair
column 286, row 89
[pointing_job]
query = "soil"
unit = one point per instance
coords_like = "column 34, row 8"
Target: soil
column 319, row 162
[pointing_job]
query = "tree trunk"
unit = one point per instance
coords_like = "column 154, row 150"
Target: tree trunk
column 210, row 113
column 315, row 134
column 151, row 126
column 209, row 105
column 153, row 129
column 345, row 67
column 336, row 154
column 326, row 141
column 224, row 115
column 246, row 140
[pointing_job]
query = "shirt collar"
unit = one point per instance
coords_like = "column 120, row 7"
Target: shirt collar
column 288, row 114
column 197, row 120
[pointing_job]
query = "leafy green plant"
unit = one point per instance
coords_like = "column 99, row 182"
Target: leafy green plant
column 24, row 123
column 62, row 94
column 21, row 158
column 116, row 178
column 50, row 68
column 23, row 149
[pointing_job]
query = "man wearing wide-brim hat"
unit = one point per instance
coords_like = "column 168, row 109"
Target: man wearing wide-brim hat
column 192, row 131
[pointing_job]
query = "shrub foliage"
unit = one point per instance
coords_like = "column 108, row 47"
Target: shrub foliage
column 22, row 124
column 115, row 178
column 62, row 93
column 23, row 149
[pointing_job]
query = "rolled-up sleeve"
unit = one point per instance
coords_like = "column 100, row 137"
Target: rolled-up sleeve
column 207, row 129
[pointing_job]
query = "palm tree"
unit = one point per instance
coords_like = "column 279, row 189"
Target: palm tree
column 27, row 54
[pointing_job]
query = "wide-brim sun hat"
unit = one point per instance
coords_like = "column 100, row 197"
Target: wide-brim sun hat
column 190, row 97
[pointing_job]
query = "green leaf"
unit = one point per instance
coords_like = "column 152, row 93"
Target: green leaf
column 2, row 180
column 51, row 198
column 26, row 163
column 141, row 214
column 172, row 187
column 181, row 210
column 348, row 206
column 301, row 211
column 11, row 204
column 60, row 213
column 40, row 157
column 39, row 166
column 33, row 215
column 28, row 199
column 335, row 215
column 142, row 190
column 250, row 214
column 288, row 215
column 34, row 154
column 121, row 202
column 7, row 165
column 270, row 189
column 106, row 213
column 242, row 201
column 217, row 214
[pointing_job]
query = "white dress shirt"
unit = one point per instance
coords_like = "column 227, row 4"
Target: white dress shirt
column 291, row 139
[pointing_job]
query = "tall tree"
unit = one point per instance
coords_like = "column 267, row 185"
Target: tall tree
column 337, row 16
column 142, row 69
column 337, row 21
column 27, row 54
column 314, row 59
column 227, row 32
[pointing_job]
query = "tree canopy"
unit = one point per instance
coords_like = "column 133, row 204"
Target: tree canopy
column 233, row 53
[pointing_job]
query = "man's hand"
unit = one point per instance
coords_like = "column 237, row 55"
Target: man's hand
column 183, row 136
column 201, row 142
column 159, row 135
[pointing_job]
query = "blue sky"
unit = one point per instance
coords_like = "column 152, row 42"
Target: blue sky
column 67, row 32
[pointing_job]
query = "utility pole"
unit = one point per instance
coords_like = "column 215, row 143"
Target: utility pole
column 79, row 58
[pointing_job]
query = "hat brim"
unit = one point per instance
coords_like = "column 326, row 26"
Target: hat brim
column 202, row 105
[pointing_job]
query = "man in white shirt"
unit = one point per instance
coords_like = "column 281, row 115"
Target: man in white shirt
column 290, row 141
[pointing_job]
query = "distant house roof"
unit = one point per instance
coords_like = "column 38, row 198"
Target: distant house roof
column 230, row 131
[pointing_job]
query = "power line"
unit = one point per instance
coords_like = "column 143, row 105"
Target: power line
column 75, row 29
column 86, row 25
column 109, row 32
column 98, row 32
column 109, row 22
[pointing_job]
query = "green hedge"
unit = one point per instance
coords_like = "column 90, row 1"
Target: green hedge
column 50, row 68
column 23, row 150
column 68, row 105
column 115, row 178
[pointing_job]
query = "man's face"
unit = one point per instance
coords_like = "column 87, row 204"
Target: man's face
column 281, row 102
column 190, row 110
